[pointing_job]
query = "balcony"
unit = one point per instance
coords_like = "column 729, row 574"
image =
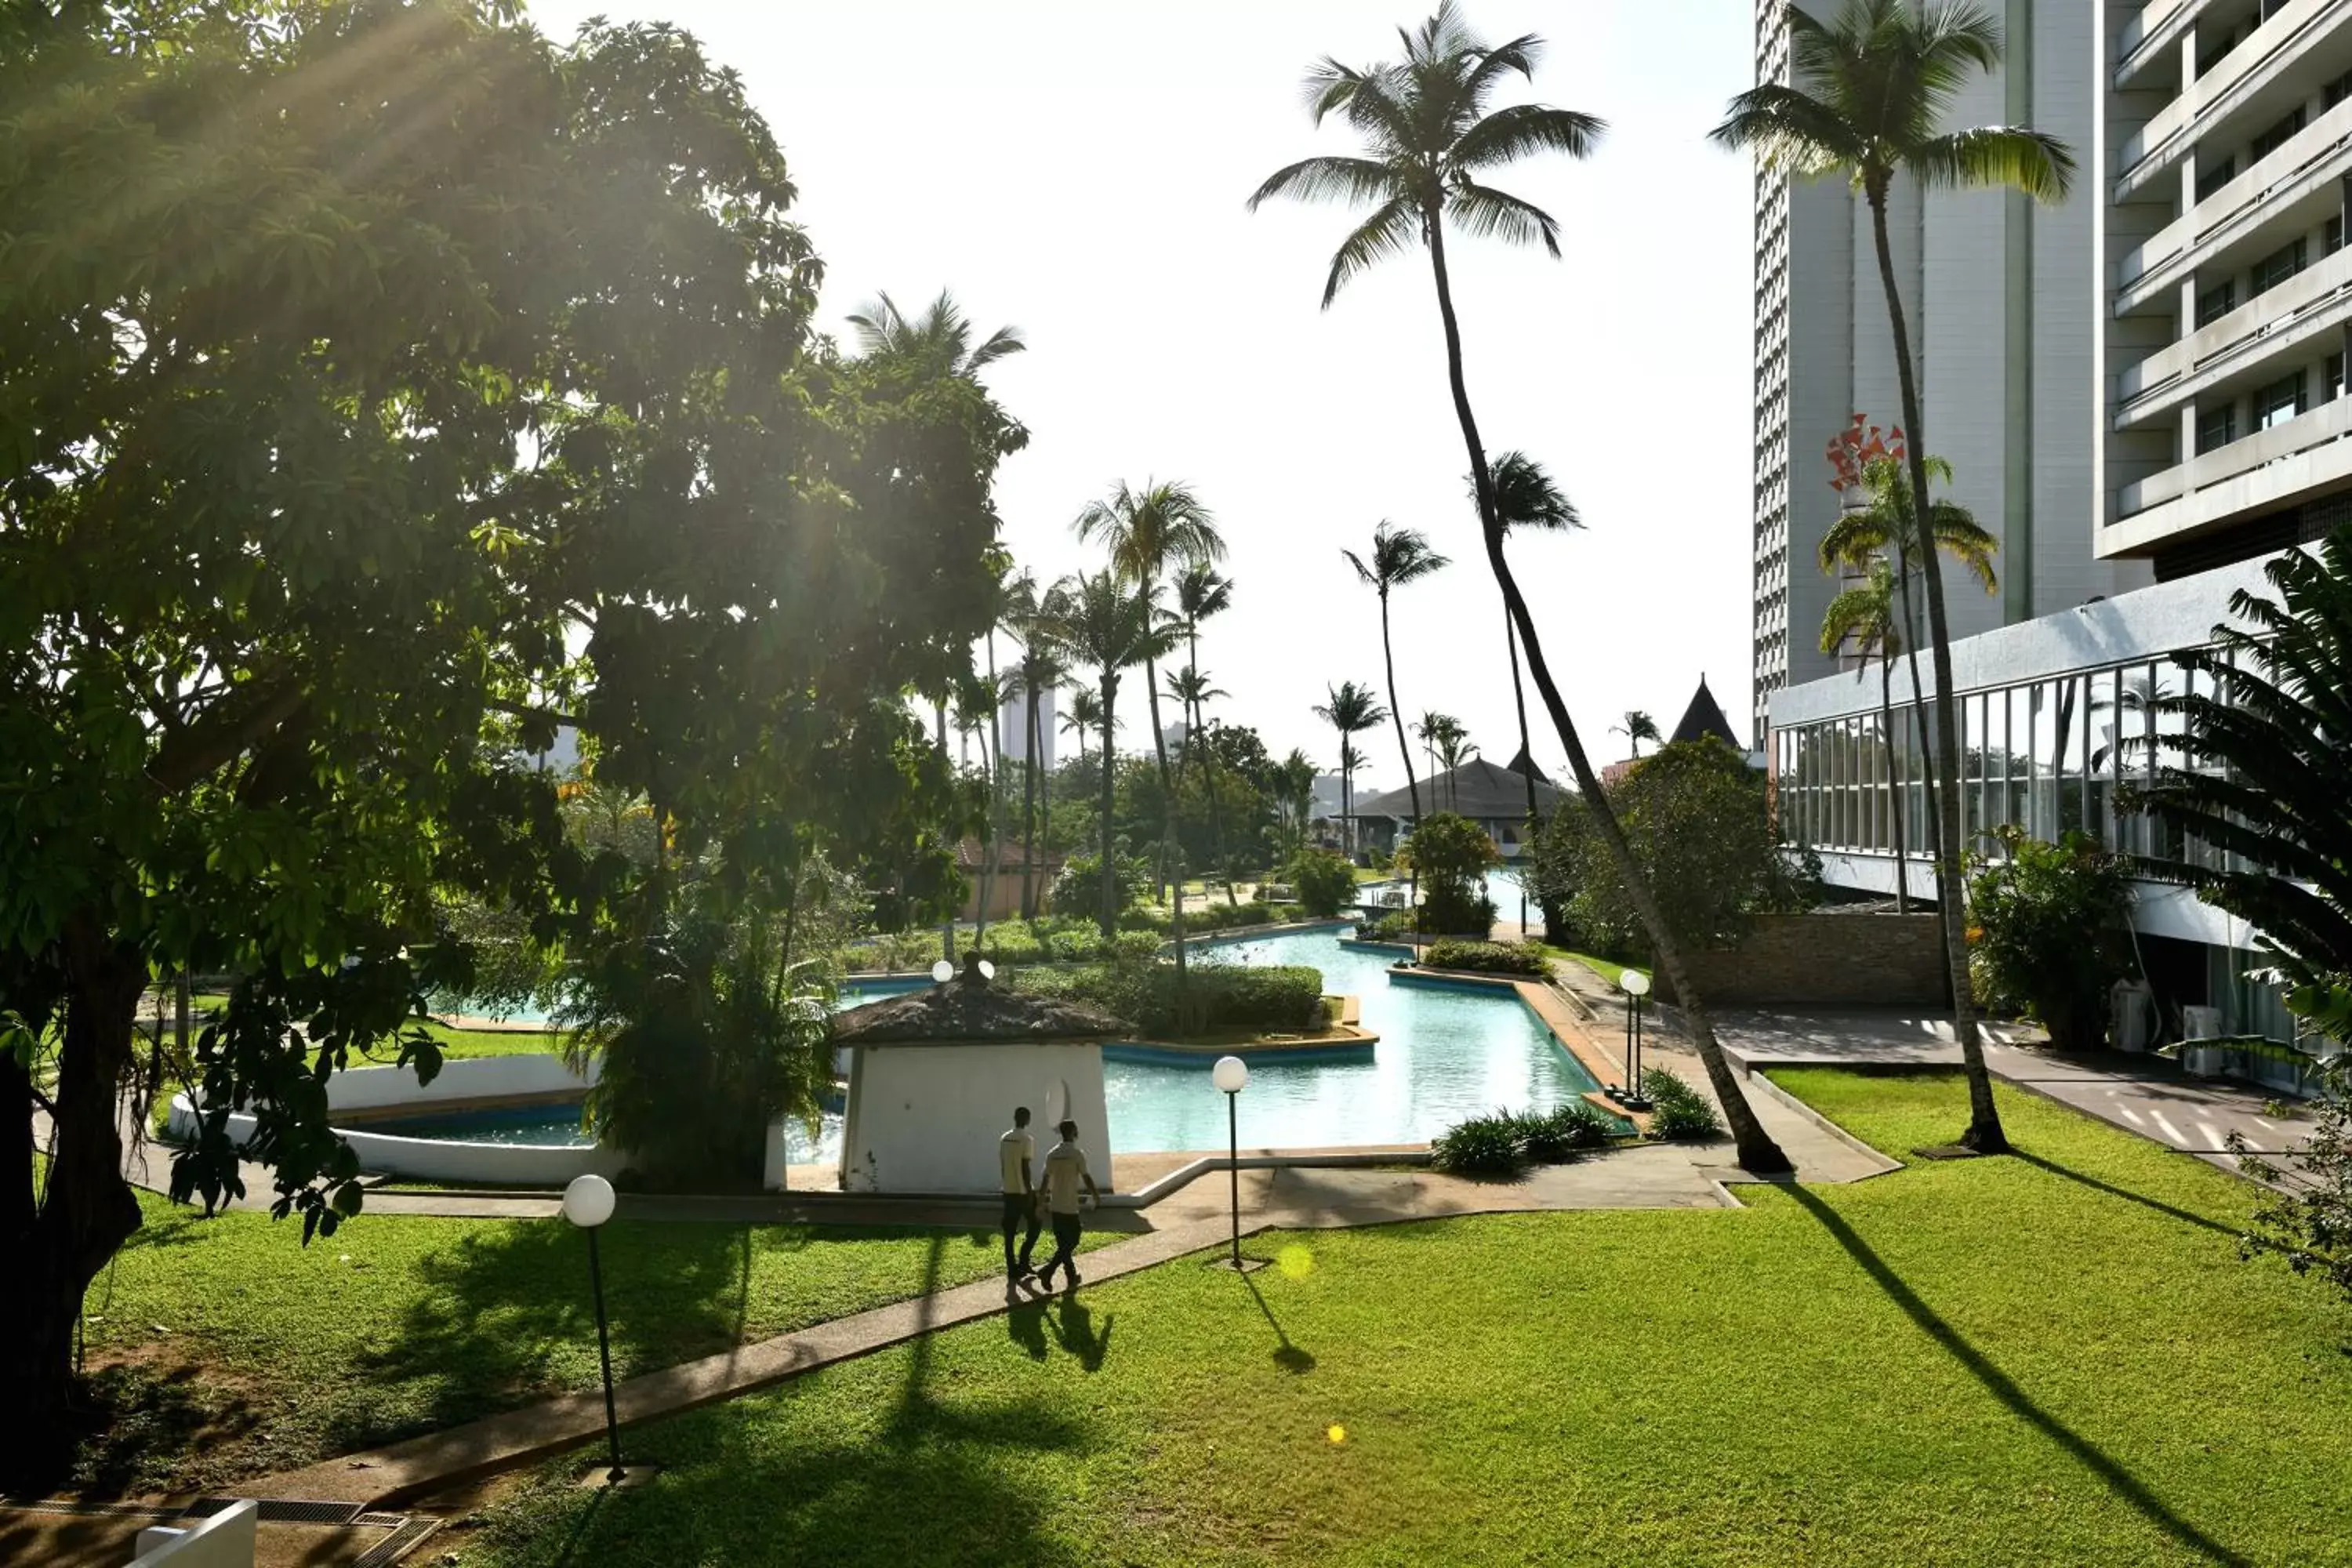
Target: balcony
column 2240, row 344
column 2230, row 86
column 2266, row 469
column 2155, row 31
column 2310, row 162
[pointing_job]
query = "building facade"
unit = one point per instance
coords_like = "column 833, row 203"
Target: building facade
column 1013, row 726
column 1998, row 299
column 2213, row 185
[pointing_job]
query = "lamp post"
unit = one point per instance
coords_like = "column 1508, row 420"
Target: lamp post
column 1636, row 985
column 588, row 1204
column 1232, row 1075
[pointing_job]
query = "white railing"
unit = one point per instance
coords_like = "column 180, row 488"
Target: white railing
column 2329, row 423
column 2232, row 81
column 2158, row 25
column 2223, row 215
column 2247, row 333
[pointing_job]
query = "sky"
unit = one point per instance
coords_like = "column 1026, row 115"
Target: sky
column 1081, row 171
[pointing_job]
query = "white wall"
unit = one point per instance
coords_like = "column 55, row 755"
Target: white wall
column 926, row 1117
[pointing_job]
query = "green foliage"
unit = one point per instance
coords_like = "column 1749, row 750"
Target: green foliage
column 1487, row 957
column 1556, row 1136
column 1397, row 925
column 1485, row 1148
column 1079, row 887
column 1450, row 855
column 2045, row 936
column 2304, row 1215
column 1679, row 1114
column 1284, row 999
column 1323, row 879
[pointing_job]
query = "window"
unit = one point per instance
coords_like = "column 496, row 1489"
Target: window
column 2214, row 303
column 2331, row 379
column 2279, row 401
column 2277, row 136
column 2276, row 268
column 2213, row 49
column 2213, row 175
column 2336, row 92
column 2216, row 428
column 2331, row 236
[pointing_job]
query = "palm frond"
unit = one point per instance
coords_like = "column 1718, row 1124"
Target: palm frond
column 1002, row 342
column 1482, row 211
column 1350, row 180
column 2004, row 157
column 1790, row 130
column 1394, row 227
column 1509, row 134
column 1525, row 496
column 1522, row 55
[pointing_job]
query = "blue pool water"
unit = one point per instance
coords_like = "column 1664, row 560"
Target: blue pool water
column 1442, row 1055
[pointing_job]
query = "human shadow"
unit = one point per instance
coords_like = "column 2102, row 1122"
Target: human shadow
column 2120, row 1480
column 1075, row 1330
column 1025, row 1323
column 2184, row 1215
column 1290, row 1357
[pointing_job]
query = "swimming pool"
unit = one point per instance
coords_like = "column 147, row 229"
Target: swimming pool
column 1444, row 1055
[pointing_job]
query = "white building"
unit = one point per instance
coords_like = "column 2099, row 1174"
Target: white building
column 1997, row 291
column 2212, row 192
column 1013, row 726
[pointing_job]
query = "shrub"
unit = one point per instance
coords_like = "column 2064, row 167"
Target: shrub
column 2044, row 934
column 1484, row 1146
column 1394, row 926
column 1325, row 882
column 1679, row 1114
column 1564, row 1131
column 1134, row 946
column 1078, row 890
column 1487, row 957
column 1080, row 944
column 1012, row 942
column 1450, row 855
column 1281, row 997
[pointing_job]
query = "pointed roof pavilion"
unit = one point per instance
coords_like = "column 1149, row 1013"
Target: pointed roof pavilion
column 1704, row 716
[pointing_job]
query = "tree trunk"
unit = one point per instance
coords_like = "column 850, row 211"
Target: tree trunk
column 1166, row 788
column 1757, row 1152
column 1109, row 871
column 55, row 1245
column 946, row 928
column 1984, row 1132
column 1918, row 706
column 1535, row 814
column 1029, row 782
column 1893, row 781
column 1404, row 747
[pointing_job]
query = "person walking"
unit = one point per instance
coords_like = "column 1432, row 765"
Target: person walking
column 1013, row 1152
column 1065, row 1169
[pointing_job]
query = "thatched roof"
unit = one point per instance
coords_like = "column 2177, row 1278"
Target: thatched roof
column 969, row 1009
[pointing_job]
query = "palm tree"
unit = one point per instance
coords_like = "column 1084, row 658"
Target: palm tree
column 1866, row 614
column 1149, row 533
column 1041, row 669
column 1351, row 710
column 1637, row 727
column 1084, row 717
column 1097, row 621
column 939, row 339
column 1454, row 748
column 1875, row 87
column 1202, row 593
column 1431, row 138
column 1525, row 497
column 1293, row 782
column 1190, row 689
column 1399, row 555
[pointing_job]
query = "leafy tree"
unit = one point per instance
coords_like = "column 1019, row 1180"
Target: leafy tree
column 332, row 482
column 1431, row 140
column 1325, row 882
column 1351, row 710
column 1292, row 782
column 2047, row 932
column 1451, row 855
column 2304, row 1212
column 1096, row 619
column 938, row 341
column 1398, row 555
column 1874, row 89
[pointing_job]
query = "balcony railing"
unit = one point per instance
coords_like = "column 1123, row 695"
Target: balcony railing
column 2158, row 26
column 2327, row 424
column 2233, row 80
column 2255, row 330
column 2236, row 210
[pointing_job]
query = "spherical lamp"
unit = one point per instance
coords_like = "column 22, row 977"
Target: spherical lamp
column 1230, row 1075
column 588, row 1201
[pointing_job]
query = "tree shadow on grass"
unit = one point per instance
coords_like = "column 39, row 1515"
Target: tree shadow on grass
column 2184, row 1215
column 1290, row 1357
column 2120, row 1480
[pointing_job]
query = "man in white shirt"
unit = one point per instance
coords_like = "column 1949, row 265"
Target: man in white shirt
column 1013, row 1152
column 1066, row 1168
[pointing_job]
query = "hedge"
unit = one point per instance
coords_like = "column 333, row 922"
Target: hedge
column 1487, row 957
column 1285, row 998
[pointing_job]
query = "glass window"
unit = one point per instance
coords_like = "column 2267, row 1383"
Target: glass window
column 2216, row 428
column 2331, row 235
column 2276, row 268
column 2212, row 304
column 2275, row 137
column 2279, row 401
column 2212, row 174
column 2336, row 92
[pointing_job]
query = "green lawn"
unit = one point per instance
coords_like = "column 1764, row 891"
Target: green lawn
column 461, row 1043
column 1609, row 969
column 2051, row 1358
column 239, row 1352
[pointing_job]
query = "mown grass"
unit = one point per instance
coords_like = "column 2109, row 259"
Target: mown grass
column 231, row 1349
column 1609, row 969
column 2055, row 1358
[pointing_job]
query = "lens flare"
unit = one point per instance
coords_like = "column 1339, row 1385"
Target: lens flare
column 1337, row 1432
column 1297, row 1260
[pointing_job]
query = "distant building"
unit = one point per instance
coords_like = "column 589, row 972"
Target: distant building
column 1493, row 797
column 1012, row 858
column 1013, row 726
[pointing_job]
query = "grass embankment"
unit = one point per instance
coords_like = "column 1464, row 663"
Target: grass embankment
column 1609, row 969
column 234, row 1351
column 2056, row 1358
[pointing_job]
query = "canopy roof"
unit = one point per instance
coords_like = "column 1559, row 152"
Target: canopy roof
column 969, row 1009
column 1477, row 789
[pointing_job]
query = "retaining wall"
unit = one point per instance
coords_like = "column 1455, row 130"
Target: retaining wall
column 1826, row 960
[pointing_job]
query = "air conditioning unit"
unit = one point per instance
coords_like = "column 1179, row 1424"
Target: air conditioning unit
column 2200, row 1023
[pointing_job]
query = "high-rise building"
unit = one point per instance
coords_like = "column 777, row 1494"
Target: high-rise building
column 1998, row 299
column 2203, row 436
column 1013, row 726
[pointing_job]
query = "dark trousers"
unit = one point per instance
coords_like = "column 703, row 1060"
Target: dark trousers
column 1065, row 1247
column 1020, row 1209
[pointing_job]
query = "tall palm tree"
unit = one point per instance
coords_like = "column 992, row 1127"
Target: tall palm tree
column 1866, row 614
column 1293, row 781
column 1525, row 497
column 1190, row 689
column 1399, row 555
column 1042, row 668
column 1084, row 717
column 1454, row 748
column 1201, row 593
column 1637, row 727
column 1150, row 532
column 1351, row 710
column 1873, row 90
column 939, row 339
column 1097, row 621
column 1432, row 138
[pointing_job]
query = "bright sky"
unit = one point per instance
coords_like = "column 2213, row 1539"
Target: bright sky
column 1079, row 170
